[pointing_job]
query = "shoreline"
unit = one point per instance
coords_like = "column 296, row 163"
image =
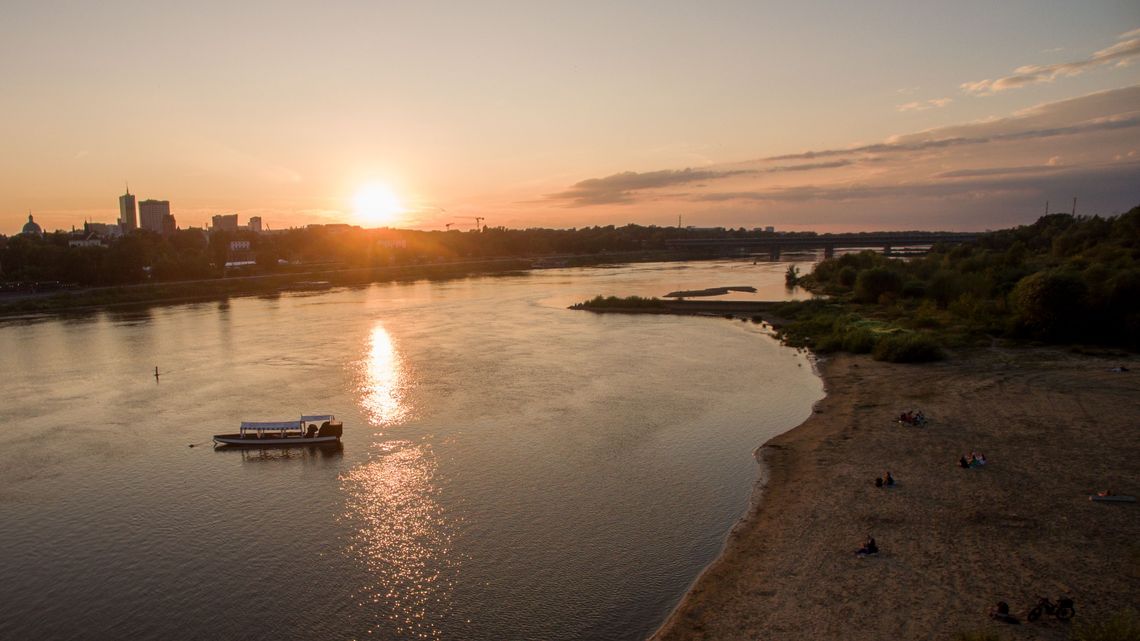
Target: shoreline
column 1055, row 426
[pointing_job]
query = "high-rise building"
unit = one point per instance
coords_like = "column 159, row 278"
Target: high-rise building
column 225, row 222
column 127, row 219
column 153, row 215
column 255, row 224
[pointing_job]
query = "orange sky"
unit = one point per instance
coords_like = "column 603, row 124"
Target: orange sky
column 829, row 116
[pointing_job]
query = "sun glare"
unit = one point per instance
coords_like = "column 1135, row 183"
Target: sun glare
column 376, row 204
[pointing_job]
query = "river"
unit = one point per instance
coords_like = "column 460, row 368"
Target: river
column 510, row 469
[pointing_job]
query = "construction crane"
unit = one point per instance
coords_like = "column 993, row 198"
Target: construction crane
column 448, row 226
column 478, row 221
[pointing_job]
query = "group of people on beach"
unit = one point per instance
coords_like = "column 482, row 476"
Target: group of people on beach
column 974, row 459
column 913, row 417
column 885, row 481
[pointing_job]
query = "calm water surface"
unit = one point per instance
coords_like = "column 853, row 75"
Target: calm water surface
column 509, row 470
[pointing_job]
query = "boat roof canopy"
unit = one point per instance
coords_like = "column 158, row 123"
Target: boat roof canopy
column 271, row 426
column 277, row 426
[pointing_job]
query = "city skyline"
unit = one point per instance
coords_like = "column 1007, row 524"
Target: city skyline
column 825, row 117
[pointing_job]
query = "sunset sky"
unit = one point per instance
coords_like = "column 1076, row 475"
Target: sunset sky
column 822, row 115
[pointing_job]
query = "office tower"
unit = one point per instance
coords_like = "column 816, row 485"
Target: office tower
column 225, row 222
column 153, row 215
column 127, row 219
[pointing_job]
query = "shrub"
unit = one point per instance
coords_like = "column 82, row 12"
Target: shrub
column 847, row 276
column 1048, row 304
column 908, row 348
column 859, row 340
column 792, row 276
column 913, row 289
column 873, row 284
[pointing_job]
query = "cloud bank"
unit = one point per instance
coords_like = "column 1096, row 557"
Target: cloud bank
column 983, row 168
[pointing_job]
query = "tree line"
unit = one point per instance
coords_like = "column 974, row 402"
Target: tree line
column 1063, row 279
column 193, row 254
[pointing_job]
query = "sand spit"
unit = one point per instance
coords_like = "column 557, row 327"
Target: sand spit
column 1055, row 428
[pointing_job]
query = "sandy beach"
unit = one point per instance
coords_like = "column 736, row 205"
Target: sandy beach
column 1055, row 428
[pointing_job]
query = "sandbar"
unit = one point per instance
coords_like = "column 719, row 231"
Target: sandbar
column 1055, row 427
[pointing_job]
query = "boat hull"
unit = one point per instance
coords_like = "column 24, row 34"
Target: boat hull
column 236, row 440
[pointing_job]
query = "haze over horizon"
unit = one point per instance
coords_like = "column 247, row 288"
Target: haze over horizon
column 829, row 117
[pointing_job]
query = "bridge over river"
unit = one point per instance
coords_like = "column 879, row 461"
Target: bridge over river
column 773, row 245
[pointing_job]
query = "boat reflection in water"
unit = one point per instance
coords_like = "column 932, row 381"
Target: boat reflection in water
column 307, row 453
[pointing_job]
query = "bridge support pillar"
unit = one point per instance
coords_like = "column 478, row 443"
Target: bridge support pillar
column 774, row 253
column 829, row 251
column 886, row 250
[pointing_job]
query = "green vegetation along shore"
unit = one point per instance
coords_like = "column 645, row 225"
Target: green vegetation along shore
column 1062, row 280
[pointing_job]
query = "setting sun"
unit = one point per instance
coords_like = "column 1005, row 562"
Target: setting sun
column 376, row 204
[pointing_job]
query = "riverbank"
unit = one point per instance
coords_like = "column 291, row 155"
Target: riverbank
column 177, row 292
column 1055, row 428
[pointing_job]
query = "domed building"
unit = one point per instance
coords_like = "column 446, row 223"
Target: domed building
column 31, row 228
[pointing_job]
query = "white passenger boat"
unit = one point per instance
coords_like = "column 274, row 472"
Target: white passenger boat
column 310, row 430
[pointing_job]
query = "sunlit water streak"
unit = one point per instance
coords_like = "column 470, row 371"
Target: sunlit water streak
column 509, row 469
column 403, row 537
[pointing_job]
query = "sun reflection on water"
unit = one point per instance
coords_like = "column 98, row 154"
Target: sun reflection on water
column 383, row 383
column 403, row 540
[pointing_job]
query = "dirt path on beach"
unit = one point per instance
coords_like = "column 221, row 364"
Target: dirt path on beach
column 1055, row 428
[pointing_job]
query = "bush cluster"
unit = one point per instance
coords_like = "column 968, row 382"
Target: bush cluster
column 1062, row 279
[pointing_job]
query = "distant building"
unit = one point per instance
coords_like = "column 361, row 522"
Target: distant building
column 169, row 226
column 240, row 255
column 255, row 224
column 224, row 222
column 333, row 227
column 32, row 228
column 127, row 219
column 102, row 230
column 85, row 240
column 153, row 216
column 770, row 229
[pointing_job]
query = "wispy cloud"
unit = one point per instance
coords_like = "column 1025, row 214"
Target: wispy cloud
column 1127, row 48
column 1104, row 111
column 923, row 105
column 622, row 188
column 1120, row 176
column 617, row 188
column 1000, row 171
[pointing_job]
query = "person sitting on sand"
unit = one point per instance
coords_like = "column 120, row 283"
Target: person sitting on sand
column 963, row 463
column 879, row 482
column 1001, row 613
column 888, row 480
column 869, row 547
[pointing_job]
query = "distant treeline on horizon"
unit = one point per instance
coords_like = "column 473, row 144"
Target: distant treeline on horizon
column 193, row 254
